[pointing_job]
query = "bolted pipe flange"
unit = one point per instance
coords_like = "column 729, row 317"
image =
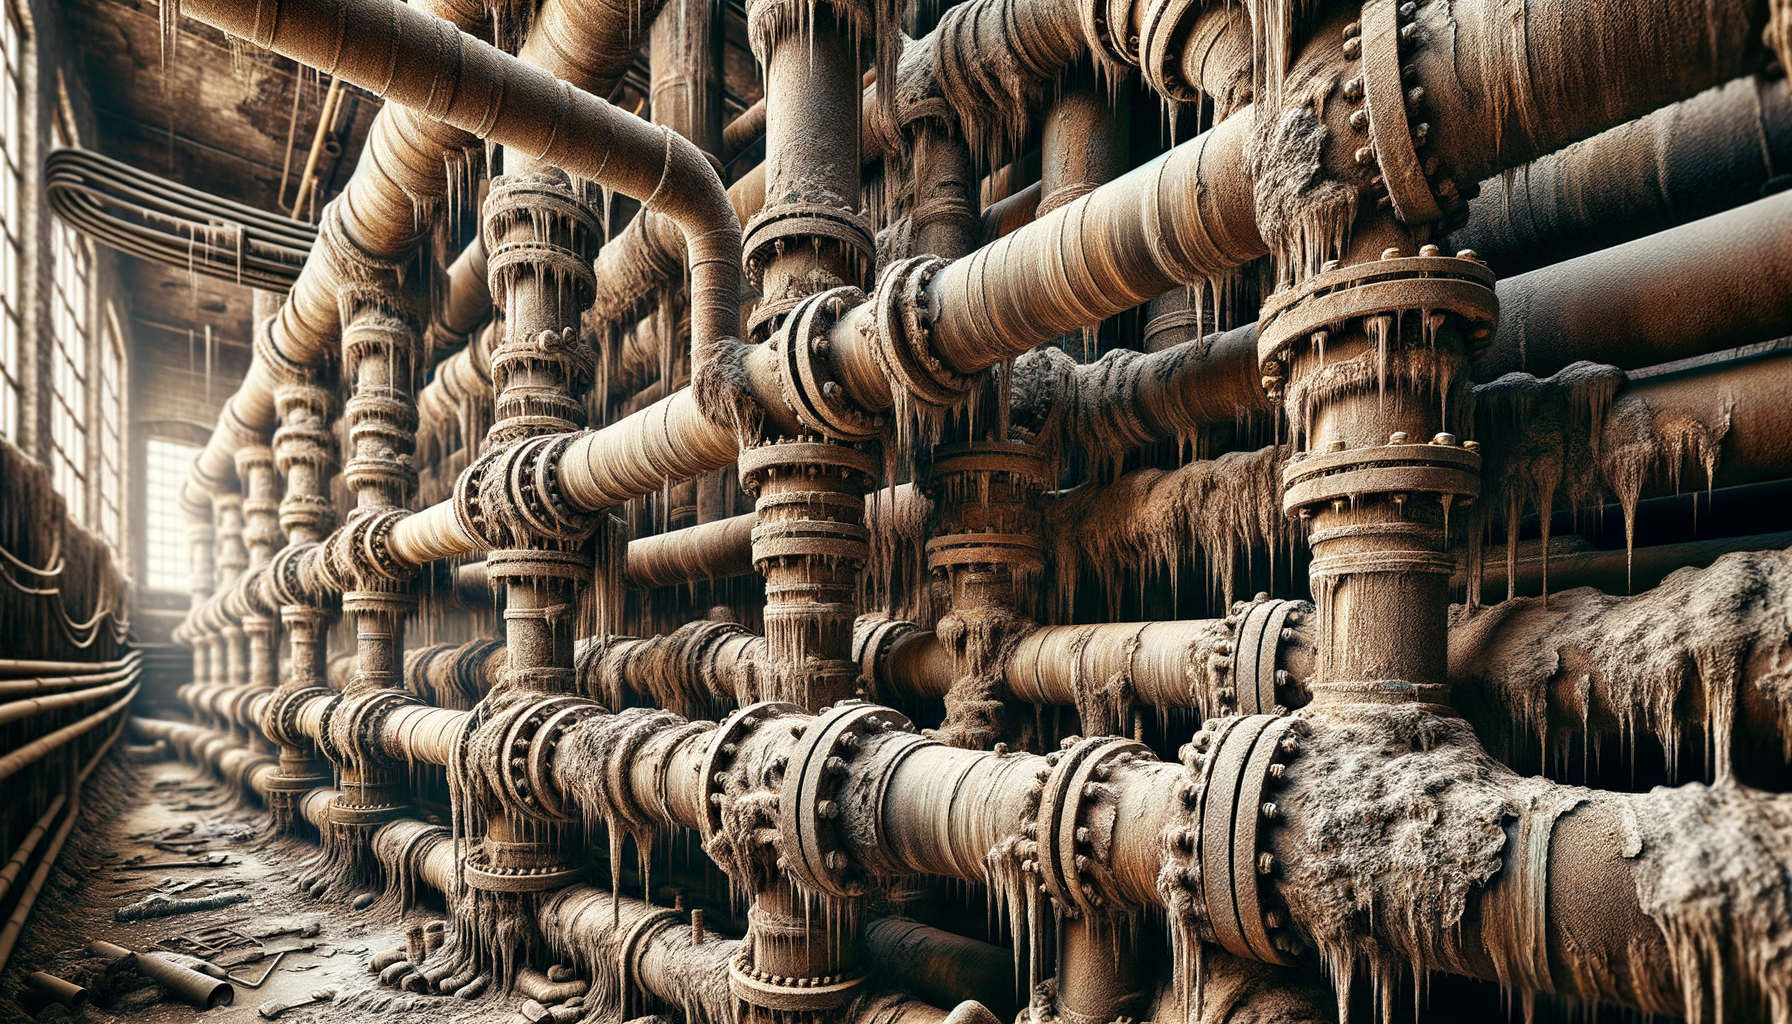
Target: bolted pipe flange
column 806, row 457
column 723, row 818
column 1449, row 471
column 1218, row 867
column 469, row 491
column 1246, row 683
column 281, row 717
column 529, row 742
column 782, row 224
column 806, row 379
column 761, row 989
column 355, row 723
column 1417, row 188
column 497, row 866
column 812, row 798
column 872, row 640
column 1437, row 285
column 1075, row 821
column 903, row 350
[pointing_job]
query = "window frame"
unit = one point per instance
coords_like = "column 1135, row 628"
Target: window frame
column 167, row 565
column 13, row 162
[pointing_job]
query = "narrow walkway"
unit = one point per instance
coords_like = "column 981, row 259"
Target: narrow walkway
column 165, row 831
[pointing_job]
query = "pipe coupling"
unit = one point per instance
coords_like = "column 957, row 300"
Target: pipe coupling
column 1217, row 874
column 805, row 376
column 814, row 791
column 1076, row 820
column 1250, row 675
column 783, row 225
column 510, row 497
column 903, row 347
column 741, row 803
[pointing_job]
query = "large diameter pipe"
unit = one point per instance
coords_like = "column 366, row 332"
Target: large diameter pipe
column 363, row 42
column 461, row 81
column 942, row 967
column 1184, row 216
column 1702, row 287
column 1689, row 160
column 1714, row 284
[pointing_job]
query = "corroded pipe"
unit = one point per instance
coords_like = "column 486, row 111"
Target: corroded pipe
column 1692, row 159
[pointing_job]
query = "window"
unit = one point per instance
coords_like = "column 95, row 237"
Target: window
column 110, row 440
column 165, row 526
column 68, row 367
column 12, row 245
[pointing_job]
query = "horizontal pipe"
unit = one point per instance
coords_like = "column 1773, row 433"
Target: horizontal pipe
column 942, row 967
column 48, row 684
column 13, row 711
column 1615, row 571
column 16, row 667
column 70, row 799
column 1685, row 161
column 31, row 752
column 15, row 865
column 1707, row 286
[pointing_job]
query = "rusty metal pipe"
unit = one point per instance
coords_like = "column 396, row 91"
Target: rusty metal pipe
column 31, row 752
column 1692, row 159
column 942, row 967
column 1703, row 287
column 465, row 83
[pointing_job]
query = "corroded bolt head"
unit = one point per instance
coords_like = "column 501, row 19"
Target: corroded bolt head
column 1082, row 834
column 1290, row 745
column 1415, row 95
column 1408, row 9
column 1359, row 119
column 1278, row 771
column 1430, row 250
column 1266, row 862
column 1353, row 48
column 1391, row 253
column 1444, row 438
column 1409, row 34
column 1353, row 89
column 1473, row 446
column 1468, row 254
column 1330, row 265
column 1353, row 30
column 827, row 810
column 1270, row 811
column 1397, row 437
column 1335, row 446
column 1365, row 155
column 1273, row 919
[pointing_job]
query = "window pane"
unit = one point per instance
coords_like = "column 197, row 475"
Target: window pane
column 165, row 528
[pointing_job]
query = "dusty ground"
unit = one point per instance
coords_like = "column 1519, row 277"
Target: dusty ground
column 131, row 808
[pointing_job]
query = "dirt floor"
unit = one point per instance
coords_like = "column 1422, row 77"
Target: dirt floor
column 169, row 830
